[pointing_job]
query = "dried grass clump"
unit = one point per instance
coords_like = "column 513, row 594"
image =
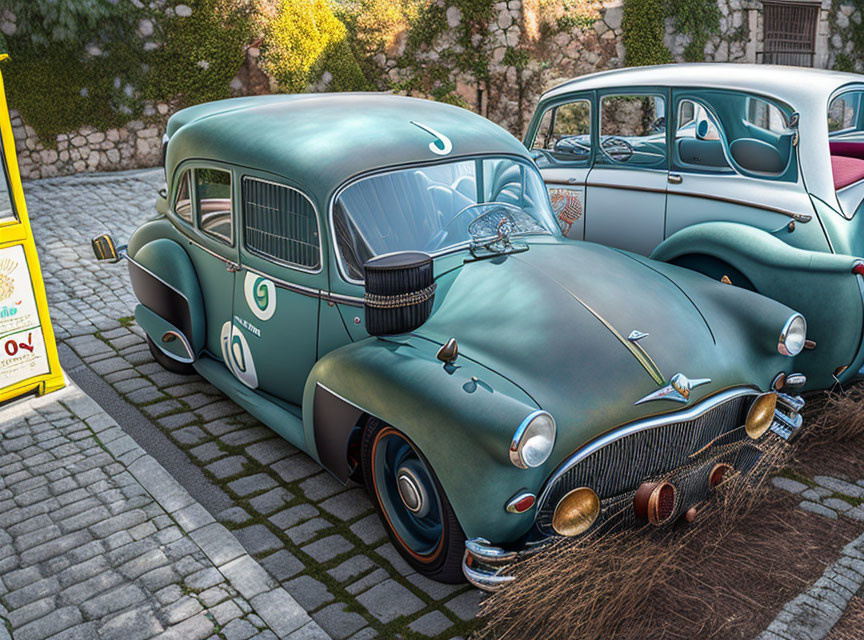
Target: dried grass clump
column 646, row 583
column 834, row 417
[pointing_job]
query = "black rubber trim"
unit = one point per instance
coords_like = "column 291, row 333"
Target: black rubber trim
column 334, row 419
column 161, row 298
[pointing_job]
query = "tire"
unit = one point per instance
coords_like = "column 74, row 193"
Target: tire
column 432, row 543
column 172, row 365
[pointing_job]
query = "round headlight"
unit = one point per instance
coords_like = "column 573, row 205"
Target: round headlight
column 793, row 335
column 576, row 512
column 533, row 441
column 760, row 417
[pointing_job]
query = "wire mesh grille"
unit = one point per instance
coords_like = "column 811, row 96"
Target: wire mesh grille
column 790, row 33
column 688, row 450
column 280, row 223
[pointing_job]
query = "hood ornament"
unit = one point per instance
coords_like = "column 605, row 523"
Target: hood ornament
column 678, row 389
column 637, row 335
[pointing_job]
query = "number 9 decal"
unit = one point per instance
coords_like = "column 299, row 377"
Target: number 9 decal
column 260, row 294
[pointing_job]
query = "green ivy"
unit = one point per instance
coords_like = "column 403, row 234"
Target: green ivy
column 700, row 19
column 643, row 27
column 853, row 33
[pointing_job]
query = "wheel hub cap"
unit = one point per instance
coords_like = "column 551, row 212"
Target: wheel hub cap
column 412, row 492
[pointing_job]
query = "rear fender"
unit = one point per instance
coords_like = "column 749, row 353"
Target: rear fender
column 171, row 309
column 819, row 285
column 460, row 417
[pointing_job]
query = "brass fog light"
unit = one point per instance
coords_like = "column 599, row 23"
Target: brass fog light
column 576, row 512
column 761, row 415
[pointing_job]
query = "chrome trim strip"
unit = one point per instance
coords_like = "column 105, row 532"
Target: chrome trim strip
column 516, row 441
column 284, row 284
column 179, row 335
column 641, row 425
column 798, row 217
column 339, row 298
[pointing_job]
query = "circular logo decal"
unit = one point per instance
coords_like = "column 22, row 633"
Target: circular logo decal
column 237, row 355
column 260, row 295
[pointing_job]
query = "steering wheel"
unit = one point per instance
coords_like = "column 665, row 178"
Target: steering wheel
column 617, row 148
column 573, row 145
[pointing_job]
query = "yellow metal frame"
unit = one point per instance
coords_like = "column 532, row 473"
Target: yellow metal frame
column 17, row 232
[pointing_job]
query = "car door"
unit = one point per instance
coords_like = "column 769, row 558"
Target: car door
column 626, row 188
column 272, row 338
column 733, row 158
column 563, row 152
column 204, row 210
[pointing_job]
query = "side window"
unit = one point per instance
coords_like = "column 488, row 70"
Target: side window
column 183, row 201
column 213, row 196
column 844, row 113
column 280, row 224
column 765, row 115
column 633, row 130
column 564, row 135
column 698, row 143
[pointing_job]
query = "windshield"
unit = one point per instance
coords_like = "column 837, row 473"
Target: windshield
column 431, row 208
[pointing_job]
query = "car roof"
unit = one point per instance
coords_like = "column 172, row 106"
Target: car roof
column 798, row 86
column 318, row 141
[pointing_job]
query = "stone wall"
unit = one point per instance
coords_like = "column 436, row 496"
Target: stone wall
column 525, row 57
column 134, row 146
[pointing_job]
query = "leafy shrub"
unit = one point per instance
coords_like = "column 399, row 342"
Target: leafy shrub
column 643, row 27
column 201, row 52
column 302, row 40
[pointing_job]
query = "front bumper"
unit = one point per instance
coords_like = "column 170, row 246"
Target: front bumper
column 486, row 566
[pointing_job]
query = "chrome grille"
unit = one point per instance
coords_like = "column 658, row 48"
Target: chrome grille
column 688, row 449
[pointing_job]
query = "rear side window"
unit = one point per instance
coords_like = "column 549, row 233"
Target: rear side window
column 564, row 135
column 183, row 201
column 280, row 224
column 698, row 143
column 213, row 195
column 633, row 130
column 766, row 116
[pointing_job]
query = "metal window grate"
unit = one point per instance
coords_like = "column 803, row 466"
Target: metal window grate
column 280, row 223
column 790, row 33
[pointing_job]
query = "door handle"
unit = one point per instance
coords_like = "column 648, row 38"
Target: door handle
column 231, row 267
column 573, row 180
column 674, row 178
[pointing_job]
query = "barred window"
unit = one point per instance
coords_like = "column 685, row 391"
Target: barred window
column 280, row 224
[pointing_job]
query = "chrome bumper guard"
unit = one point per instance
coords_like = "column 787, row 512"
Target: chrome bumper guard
column 787, row 418
column 485, row 565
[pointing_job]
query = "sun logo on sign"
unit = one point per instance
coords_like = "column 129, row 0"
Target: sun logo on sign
column 7, row 284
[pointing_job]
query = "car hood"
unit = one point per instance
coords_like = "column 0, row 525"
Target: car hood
column 556, row 321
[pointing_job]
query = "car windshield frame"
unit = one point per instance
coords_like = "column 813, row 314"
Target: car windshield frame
column 552, row 231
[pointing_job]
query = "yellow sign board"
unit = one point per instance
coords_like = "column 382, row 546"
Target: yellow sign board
column 28, row 353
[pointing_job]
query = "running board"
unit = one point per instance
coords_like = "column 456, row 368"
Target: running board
column 278, row 416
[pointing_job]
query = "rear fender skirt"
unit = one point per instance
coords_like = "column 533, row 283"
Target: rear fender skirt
column 165, row 282
column 334, row 418
column 160, row 297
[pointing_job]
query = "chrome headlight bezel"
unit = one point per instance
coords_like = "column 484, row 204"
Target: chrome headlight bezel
column 530, row 430
column 793, row 335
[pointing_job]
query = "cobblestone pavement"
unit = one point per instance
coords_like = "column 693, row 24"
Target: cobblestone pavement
column 319, row 540
column 97, row 540
column 812, row 614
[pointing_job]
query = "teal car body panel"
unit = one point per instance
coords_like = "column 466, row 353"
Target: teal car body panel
column 545, row 328
column 789, row 232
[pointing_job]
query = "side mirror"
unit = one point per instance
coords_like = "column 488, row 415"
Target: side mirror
column 105, row 249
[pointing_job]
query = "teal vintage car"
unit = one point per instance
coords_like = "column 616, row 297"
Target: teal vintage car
column 381, row 280
column 753, row 174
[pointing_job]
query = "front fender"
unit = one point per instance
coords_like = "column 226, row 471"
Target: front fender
column 819, row 285
column 460, row 417
column 166, row 284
